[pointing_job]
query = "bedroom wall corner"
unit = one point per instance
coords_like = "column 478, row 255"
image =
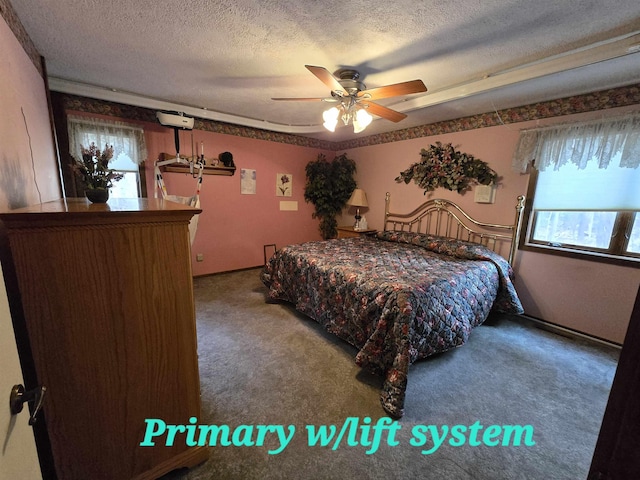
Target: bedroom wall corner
column 28, row 175
column 234, row 226
column 590, row 297
column 28, row 164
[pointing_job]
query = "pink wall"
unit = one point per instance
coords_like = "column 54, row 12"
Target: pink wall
column 587, row 296
column 379, row 165
column 590, row 297
column 234, row 227
column 25, row 178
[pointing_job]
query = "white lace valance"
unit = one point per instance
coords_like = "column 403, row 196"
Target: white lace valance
column 125, row 138
column 597, row 141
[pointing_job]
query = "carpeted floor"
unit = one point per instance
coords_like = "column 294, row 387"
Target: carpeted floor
column 265, row 364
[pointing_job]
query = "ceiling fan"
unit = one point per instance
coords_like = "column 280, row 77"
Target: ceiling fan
column 355, row 100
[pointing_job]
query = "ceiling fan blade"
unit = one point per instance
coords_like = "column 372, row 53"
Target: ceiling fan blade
column 384, row 112
column 301, row 99
column 404, row 88
column 327, row 78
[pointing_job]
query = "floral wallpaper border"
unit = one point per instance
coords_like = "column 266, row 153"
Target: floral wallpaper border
column 91, row 105
column 601, row 100
column 9, row 14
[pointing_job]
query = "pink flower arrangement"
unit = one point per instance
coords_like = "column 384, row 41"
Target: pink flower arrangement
column 94, row 169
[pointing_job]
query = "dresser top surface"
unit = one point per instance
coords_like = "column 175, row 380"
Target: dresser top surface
column 82, row 205
column 116, row 209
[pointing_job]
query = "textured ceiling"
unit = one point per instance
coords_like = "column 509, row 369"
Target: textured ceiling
column 232, row 57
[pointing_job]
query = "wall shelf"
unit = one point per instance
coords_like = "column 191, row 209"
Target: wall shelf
column 184, row 168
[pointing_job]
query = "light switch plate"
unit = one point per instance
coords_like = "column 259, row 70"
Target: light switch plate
column 288, row 206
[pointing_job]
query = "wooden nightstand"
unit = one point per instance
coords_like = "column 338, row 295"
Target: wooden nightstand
column 348, row 232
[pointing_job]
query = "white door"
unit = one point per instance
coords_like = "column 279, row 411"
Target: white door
column 18, row 455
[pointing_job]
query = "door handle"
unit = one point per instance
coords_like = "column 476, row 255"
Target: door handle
column 19, row 397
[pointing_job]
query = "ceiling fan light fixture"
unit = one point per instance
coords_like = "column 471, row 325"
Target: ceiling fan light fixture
column 361, row 120
column 347, row 89
column 346, row 114
column 331, row 119
column 352, row 113
column 331, row 126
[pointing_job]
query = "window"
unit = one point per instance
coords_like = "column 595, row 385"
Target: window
column 584, row 193
column 129, row 150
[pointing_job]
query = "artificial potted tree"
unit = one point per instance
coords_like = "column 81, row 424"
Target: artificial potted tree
column 329, row 186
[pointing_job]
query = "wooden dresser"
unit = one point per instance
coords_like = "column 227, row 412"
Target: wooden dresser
column 107, row 296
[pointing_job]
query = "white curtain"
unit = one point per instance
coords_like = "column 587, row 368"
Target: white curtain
column 125, row 138
column 596, row 141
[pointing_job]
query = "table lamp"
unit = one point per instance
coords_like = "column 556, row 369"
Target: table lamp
column 358, row 199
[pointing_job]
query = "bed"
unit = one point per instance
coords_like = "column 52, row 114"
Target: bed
column 415, row 289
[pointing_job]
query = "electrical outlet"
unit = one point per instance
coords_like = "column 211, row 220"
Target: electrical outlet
column 199, row 257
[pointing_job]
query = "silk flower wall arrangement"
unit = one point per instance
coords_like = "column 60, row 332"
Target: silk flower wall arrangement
column 445, row 167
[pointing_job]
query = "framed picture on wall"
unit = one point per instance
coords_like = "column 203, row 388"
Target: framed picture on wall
column 247, row 181
column 284, row 184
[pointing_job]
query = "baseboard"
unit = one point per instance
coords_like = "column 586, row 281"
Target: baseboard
column 568, row 332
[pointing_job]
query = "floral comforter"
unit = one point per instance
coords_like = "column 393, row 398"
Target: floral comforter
column 397, row 298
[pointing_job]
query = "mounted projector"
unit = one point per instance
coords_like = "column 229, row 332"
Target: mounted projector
column 175, row 119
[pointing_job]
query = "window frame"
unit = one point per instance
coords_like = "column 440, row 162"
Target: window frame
column 89, row 123
column 141, row 180
column 615, row 254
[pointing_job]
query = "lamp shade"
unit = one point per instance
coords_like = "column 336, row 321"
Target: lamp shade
column 331, row 119
column 361, row 120
column 358, row 198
